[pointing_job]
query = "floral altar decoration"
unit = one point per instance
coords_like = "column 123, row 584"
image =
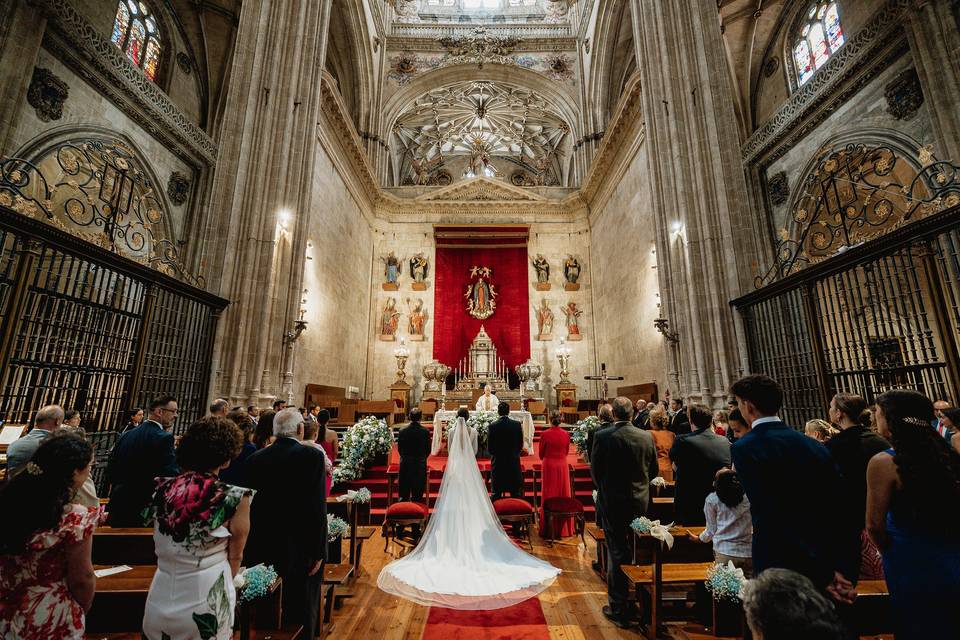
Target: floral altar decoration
column 480, row 420
column 580, row 431
column 364, row 441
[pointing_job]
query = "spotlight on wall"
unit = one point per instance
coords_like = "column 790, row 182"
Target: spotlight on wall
column 283, row 218
column 676, row 227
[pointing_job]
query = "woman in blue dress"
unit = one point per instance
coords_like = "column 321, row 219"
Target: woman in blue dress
column 913, row 516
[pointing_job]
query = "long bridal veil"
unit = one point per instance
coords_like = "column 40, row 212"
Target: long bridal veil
column 465, row 559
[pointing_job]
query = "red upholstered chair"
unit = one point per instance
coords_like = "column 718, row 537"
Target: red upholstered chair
column 400, row 515
column 559, row 507
column 516, row 512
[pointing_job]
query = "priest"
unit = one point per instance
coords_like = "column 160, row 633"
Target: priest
column 488, row 401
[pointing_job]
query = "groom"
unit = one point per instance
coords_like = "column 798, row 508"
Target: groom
column 505, row 442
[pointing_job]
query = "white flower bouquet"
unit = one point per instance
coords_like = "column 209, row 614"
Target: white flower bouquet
column 336, row 527
column 580, row 431
column 725, row 582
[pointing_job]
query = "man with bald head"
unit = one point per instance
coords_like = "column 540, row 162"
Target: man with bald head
column 938, row 408
column 624, row 461
column 19, row 453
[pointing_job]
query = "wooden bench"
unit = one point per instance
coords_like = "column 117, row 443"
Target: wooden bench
column 120, row 599
column 115, row 546
column 600, row 537
column 378, row 408
column 871, row 610
column 661, row 508
column 358, row 535
column 334, row 575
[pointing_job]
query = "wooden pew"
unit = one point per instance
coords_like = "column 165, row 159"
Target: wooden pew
column 379, row 408
column 683, row 566
column 120, row 599
column 333, row 576
column 661, row 508
column 600, row 537
column 115, row 546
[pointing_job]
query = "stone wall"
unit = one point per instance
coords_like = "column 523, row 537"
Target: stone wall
column 623, row 248
column 336, row 276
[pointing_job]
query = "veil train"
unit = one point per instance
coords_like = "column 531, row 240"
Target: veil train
column 465, row 560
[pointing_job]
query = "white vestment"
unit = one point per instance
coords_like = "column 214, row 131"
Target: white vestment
column 487, row 403
column 465, row 559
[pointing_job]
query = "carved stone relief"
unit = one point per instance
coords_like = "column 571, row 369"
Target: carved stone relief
column 904, row 95
column 178, row 187
column 778, row 188
column 46, row 94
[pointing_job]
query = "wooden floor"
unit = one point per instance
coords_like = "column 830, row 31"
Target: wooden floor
column 572, row 605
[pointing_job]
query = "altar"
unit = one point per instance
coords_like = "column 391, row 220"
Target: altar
column 441, row 418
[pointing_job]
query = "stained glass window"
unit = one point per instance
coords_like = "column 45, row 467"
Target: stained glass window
column 819, row 37
column 136, row 33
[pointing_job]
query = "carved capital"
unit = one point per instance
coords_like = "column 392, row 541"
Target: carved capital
column 46, row 94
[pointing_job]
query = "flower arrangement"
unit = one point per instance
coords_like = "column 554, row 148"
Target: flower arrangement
column 254, row 582
column 361, row 496
column 642, row 524
column 336, row 527
column 659, row 481
column 580, row 431
column 367, row 439
column 479, row 420
column 725, row 582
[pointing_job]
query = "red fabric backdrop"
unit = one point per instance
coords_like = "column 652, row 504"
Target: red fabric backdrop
column 509, row 326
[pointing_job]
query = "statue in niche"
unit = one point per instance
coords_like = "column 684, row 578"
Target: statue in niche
column 544, row 321
column 389, row 320
column 543, row 272
column 573, row 321
column 571, row 272
column 417, row 322
column 418, row 271
column 392, row 267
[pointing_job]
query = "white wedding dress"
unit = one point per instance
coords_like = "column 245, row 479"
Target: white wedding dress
column 465, row 559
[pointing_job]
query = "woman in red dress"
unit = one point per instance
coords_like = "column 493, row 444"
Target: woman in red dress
column 327, row 438
column 554, row 447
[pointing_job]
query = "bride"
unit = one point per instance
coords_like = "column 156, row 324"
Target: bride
column 465, row 559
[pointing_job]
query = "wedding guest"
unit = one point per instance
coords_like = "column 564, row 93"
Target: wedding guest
column 784, row 605
column 235, row 473
column 731, row 405
column 852, row 448
column 263, row 433
column 728, row 523
column 327, row 438
column 641, row 417
column 624, row 462
column 141, row 455
column 288, row 518
column 938, row 408
column 413, row 445
column 134, row 418
column 554, row 447
column 200, row 526
column 819, row 430
column 951, row 419
column 46, row 575
column 71, row 418
column 311, row 430
column 720, row 426
column 777, row 466
column 663, row 439
column 20, row 451
column 697, row 456
column 505, row 443
column 254, row 412
column 220, row 408
column 913, row 514
column 278, row 405
column 738, row 426
column 605, row 415
column 679, row 421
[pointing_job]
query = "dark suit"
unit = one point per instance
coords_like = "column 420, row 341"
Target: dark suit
column 698, row 456
column 851, row 450
column 591, row 438
column 505, row 443
column 140, row 455
column 642, row 419
column 680, row 422
column 288, row 523
column 624, row 461
column 413, row 443
column 779, row 469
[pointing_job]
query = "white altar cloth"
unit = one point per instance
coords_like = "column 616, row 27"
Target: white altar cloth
column 523, row 417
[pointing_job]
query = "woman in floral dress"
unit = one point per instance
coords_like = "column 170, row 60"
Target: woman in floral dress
column 46, row 576
column 200, row 529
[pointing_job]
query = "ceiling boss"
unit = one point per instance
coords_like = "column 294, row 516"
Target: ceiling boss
column 481, row 294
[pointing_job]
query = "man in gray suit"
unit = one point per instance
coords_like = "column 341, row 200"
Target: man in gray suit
column 623, row 463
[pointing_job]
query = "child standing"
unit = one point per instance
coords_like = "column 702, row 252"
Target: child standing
column 729, row 526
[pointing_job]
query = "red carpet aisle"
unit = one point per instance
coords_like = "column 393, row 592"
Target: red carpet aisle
column 524, row 621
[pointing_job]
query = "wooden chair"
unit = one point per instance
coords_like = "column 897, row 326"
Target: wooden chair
column 559, row 507
column 515, row 405
column 399, row 515
column 516, row 511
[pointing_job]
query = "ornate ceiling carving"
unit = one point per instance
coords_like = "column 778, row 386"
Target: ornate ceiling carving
column 483, row 121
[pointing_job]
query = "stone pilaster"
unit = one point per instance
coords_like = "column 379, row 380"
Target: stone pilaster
column 935, row 43
column 21, row 30
column 704, row 238
column 262, row 191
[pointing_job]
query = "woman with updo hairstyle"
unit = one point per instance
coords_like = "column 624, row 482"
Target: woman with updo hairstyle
column 46, row 575
column 913, row 515
column 200, row 527
column 819, row 430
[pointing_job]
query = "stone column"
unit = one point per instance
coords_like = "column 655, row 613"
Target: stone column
column 935, row 43
column 704, row 239
column 262, row 190
column 21, row 31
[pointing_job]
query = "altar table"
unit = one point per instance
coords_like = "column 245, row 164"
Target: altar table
column 523, row 417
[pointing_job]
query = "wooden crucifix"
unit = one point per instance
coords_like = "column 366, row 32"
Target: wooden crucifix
column 603, row 377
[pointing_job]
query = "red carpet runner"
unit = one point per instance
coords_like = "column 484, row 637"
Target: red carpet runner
column 522, row 621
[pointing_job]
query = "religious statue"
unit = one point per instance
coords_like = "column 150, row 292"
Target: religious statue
column 392, row 267
column 480, row 293
column 543, row 272
column 389, row 320
column 544, row 321
column 418, row 319
column 571, row 271
column 418, row 271
column 479, row 164
column 573, row 321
